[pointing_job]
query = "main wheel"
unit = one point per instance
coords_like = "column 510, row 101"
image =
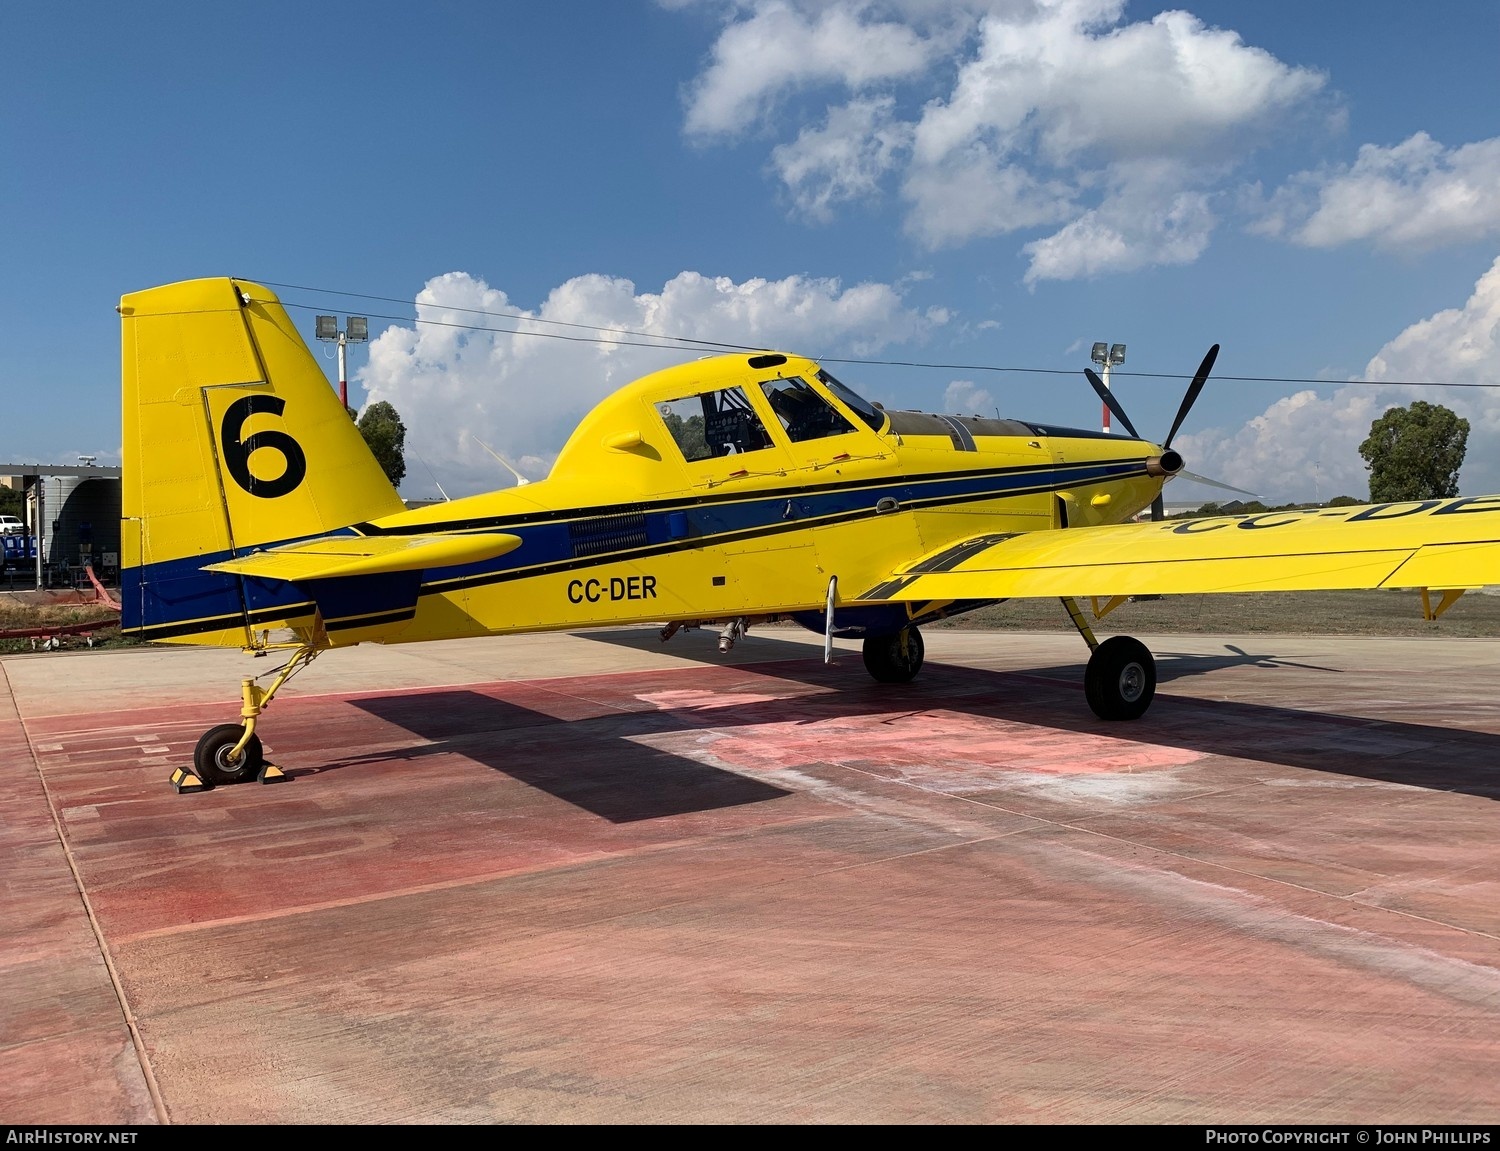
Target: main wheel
column 211, row 757
column 1120, row 679
column 894, row 658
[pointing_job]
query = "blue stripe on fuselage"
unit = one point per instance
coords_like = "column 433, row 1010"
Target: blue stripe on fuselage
column 177, row 592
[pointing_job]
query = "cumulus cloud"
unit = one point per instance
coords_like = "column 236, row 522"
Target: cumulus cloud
column 1306, row 445
column 1048, row 112
column 1145, row 224
column 1414, row 196
column 780, row 46
column 843, row 159
column 466, row 389
column 966, row 398
column 1303, row 447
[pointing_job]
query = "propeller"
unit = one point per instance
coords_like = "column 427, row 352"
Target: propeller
column 1189, row 398
column 1110, row 402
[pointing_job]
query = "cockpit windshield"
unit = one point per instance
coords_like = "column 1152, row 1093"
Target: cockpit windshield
column 856, row 402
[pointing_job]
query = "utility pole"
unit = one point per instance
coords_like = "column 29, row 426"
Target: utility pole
column 37, row 536
column 356, row 330
column 1106, row 356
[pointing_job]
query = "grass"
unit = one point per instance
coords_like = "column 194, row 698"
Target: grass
column 15, row 615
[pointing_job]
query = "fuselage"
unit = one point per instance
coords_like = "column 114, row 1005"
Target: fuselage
column 741, row 486
column 645, row 517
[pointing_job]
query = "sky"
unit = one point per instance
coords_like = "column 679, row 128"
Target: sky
column 948, row 201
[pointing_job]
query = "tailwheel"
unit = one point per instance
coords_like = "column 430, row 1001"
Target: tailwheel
column 894, row 658
column 214, row 760
column 1120, row 679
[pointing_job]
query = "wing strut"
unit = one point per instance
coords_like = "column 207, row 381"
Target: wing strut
column 1076, row 614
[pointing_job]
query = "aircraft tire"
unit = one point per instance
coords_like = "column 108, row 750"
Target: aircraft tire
column 210, row 758
column 1120, row 680
column 895, row 658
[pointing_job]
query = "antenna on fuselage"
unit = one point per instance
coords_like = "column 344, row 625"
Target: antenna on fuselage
column 521, row 480
column 446, row 497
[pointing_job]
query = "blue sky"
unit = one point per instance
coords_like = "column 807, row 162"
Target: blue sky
column 993, row 183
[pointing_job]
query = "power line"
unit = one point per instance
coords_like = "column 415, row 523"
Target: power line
column 706, row 344
column 517, row 316
column 692, row 343
column 1155, row 375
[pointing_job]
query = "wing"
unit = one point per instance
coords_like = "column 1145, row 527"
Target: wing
column 329, row 557
column 1424, row 544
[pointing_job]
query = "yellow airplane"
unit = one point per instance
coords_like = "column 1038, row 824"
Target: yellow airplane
column 725, row 492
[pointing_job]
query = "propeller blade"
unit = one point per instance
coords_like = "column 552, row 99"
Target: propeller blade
column 1192, row 393
column 1111, row 403
column 1158, row 509
column 1197, row 479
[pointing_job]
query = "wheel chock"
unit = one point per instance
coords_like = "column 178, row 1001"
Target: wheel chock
column 184, row 780
column 270, row 773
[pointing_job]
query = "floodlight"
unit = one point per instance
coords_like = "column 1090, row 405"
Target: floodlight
column 327, row 327
column 1099, row 356
column 1117, row 354
column 359, row 331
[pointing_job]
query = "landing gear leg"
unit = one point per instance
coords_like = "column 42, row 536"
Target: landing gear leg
column 1121, row 676
column 232, row 752
column 895, row 658
column 1075, row 613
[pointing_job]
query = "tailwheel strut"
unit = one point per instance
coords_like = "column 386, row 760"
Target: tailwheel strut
column 232, row 752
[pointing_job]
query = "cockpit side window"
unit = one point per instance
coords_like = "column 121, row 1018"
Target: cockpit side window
column 713, row 424
column 860, row 406
column 802, row 411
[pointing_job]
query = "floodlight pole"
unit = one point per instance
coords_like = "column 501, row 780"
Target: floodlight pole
column 356, row 330
column 1104, row 375
column 1106, row 356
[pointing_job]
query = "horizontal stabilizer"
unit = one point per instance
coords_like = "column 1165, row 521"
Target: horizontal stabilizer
column 337, row 557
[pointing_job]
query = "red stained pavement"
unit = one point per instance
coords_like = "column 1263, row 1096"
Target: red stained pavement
column 586, row 879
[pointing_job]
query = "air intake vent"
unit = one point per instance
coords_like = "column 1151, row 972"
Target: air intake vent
column 607, row 534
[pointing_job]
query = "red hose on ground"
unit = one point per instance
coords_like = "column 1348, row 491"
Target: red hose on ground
column 104, row 597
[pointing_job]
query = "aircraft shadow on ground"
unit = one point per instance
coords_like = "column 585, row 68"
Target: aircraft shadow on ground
column 597, row 763
column 760, row 647
column 604, row 762
column 1417, row 755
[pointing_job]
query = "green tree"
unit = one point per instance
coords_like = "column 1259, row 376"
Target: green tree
column 383, row 430
column 689, row 435
column 1414, row 453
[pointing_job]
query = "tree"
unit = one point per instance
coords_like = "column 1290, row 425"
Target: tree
column 689, row 435
column 1414, row 453
column 383, row 430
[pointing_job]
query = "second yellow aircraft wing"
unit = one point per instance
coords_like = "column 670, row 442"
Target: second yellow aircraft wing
column 1423, row 544
column 329, row 557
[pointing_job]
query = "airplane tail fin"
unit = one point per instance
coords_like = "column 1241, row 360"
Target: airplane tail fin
column 233, row 440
